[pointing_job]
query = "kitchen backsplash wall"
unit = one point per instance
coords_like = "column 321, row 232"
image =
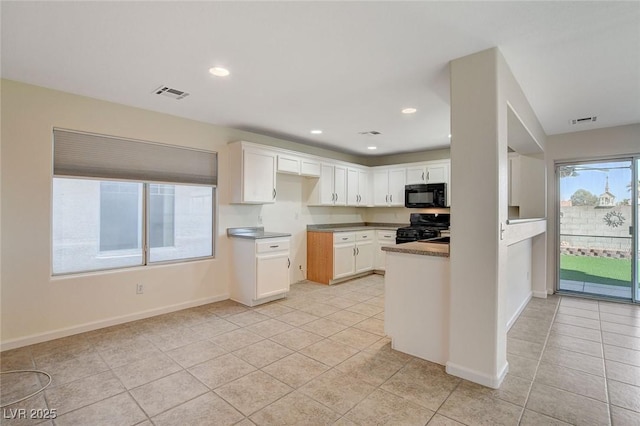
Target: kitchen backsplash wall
column 291, row 214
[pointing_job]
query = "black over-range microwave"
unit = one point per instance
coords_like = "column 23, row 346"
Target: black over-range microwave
column 424, row 195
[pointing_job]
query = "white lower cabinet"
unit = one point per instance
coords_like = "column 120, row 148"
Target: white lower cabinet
column 344, row 259
column 352, row 253
column 383, row 238
column 364, row 252
column 260, row 270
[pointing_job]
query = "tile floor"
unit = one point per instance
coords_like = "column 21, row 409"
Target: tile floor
column 320, row 357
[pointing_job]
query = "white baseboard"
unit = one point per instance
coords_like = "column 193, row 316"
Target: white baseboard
column 541, row 294
column 95, row 325
column 483, row 379
column 515, row 316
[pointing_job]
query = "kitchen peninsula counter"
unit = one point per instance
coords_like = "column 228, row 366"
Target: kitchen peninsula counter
column 416, row 288
column 350, row 227
column 419, row 248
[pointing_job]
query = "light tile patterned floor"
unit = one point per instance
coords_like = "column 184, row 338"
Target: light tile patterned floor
column 320, row 357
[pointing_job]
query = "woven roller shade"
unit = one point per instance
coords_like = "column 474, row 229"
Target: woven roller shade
column 98, row 156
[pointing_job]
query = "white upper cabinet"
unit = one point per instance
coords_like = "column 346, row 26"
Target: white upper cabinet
column 288, row 164
column 253, row 171
column 331, row 188
column 309, row 167
column 416, row 174
column 340, row 185
column 357, row 187
column 432, row 172
column 252, row 174
column 397, row 182
column 298, row 165
column 388, row 186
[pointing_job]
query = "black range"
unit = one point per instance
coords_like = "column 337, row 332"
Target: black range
column 423, row 226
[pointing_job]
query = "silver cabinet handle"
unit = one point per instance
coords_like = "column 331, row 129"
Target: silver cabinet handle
column 391, row 198
column 428, row 175
column 276, row 246
column 354, row 251
column 344, row 238
column 364, row 236
column 422, row 175
column 386, row 198
column 288, row 263
column 274, row 193
column 357, row 251
column 336, row 197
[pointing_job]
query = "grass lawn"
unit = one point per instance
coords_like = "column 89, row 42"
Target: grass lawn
column 598, row 270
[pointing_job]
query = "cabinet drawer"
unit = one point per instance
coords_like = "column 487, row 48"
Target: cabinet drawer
column 365, row 235
column 386, row 235
column 267, row 246
column 344, row 237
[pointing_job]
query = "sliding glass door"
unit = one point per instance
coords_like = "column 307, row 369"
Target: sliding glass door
column 635, row 191
column 597, row 208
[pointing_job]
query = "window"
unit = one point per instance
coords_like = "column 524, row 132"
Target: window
column 104, row 219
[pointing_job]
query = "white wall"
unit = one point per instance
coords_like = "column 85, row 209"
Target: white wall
column 591, row 144
column 37, row 307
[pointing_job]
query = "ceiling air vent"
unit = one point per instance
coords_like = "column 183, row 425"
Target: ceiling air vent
column 583, row 120
column 370, row 132
column 171, row 93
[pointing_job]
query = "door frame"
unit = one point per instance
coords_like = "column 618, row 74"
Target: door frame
column 635, row 235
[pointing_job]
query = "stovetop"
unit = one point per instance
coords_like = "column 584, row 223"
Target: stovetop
column 423, row 226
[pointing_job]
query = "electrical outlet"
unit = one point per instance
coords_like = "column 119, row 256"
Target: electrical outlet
column 300, row 267
column 139, row 288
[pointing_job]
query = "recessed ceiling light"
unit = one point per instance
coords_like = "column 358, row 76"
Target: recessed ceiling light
column 372, row 147
column 219, row 71
column 449, row 135
column 316, row 132
column 409, row 110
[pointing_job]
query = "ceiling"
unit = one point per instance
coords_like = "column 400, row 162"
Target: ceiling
column 342, row 67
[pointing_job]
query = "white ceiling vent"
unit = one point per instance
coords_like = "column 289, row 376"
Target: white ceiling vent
column 171, row 93
column 583, row 120
column 370, row 132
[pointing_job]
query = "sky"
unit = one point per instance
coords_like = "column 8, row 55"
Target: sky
column 619, row 174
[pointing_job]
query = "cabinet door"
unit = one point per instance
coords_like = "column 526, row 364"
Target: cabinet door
column 364, row 257
column 259, row 176
column 344, row 263
column 309, row 167
column 288, row 164
column 380, row 187
column 416, row 174
column 352, row 187
column 272, row 275
column 327, row 195
column 396, row 187
column 438, row 173
column 340, row 185
column 363, row 188
column 381, row 256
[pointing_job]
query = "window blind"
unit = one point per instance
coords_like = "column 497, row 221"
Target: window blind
column 99, row 156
